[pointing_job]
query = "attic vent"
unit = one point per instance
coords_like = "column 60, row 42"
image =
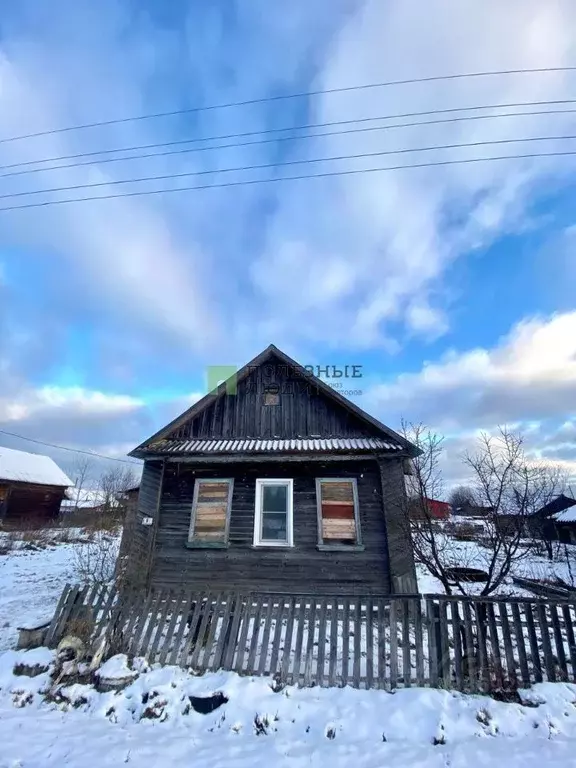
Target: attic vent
column 272, row 395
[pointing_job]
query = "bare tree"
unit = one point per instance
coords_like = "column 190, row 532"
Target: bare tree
column 503, row 480
column 113, row 484
column 82, row 470
column 462, row 496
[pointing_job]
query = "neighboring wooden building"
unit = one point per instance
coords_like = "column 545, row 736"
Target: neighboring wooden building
column 273, row 482
column 32, row 487
column 429, row 509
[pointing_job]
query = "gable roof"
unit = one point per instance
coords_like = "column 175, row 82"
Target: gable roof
column 23, row 467
column 269, row 353
column 556, row 506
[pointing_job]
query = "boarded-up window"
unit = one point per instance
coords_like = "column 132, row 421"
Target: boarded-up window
column 210, row 512
column 337, row 512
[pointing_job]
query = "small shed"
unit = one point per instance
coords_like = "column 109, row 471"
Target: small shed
column 433, row 510
column 32, row 487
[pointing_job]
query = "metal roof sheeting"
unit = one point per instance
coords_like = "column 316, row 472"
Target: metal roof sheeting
column 249, row 445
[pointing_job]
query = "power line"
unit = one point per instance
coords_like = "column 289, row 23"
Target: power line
column 309, row 126
column 323, row 175
column 304, row 161
column 285, row 97
column 187, row 150
column 72, row 450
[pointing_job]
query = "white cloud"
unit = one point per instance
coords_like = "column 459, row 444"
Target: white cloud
column 54, row 401
column 529, row 375
column 398, row 232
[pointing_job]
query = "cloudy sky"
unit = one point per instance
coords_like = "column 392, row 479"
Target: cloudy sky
column 452, row 285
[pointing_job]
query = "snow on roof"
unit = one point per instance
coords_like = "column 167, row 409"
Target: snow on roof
column 83, row 498
column 23, row 467
column 567, row 516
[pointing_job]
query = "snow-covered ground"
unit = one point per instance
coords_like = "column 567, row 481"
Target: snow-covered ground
column 472, row 554
column 152, row 723
column 32, row 577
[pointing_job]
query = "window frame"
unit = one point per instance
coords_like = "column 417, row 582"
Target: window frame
column 275, row 544
column 358, row 546
column 199, row 543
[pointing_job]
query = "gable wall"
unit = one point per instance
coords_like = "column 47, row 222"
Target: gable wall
column 303, row 410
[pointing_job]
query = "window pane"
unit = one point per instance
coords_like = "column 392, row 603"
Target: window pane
column 274, row 498
column 274, row 526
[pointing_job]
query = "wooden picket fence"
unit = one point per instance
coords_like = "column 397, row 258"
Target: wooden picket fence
column 470, row 644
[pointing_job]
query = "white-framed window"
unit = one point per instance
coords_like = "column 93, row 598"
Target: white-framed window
column 273, row 525
column 210, row 518
column 338, row 514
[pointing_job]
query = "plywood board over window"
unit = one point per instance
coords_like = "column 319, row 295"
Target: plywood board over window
column 338, row 518
column 210, row 519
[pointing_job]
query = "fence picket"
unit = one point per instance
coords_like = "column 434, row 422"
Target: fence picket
column 532, row 639
column 277, row 636
column 51, row 633
column 483, row 671
column 214, row 622
column 345, row 639
column 406, row 660
column 333, row 642
column 244, row 634
column 495, row 645
column 570, row 638
column 192, row 636
column 419, row 642
column 299, row 614
column 559, row 643
column 160, row 622
column 266, row 636
column 321, row 642
column 151, row 623
column 381, row 644
column 287, row 649
column 520, row 644
column 444, row 659
column 185, row 610
column 231, row 640
column 469, row 655
column 310, row 643
column 455, row 616
column 200, row 642
column 251, row 669
column 357, row 642
column 393, row 645
column 179, row 598
column 546, row 645
column 432, row 649
column 508, row 650
column 142, row 616
column 104, row 612
column 369, row 643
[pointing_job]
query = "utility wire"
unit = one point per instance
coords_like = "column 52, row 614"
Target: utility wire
column 304, row 161
column 285, row 97
column 323, row 175
column 65, row 448
column 187, row 150
column 309, row 126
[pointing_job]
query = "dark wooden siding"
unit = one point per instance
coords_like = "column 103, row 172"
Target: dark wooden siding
column 34, row 504
column 137, row 539
column 303, row 411
column 299, row 569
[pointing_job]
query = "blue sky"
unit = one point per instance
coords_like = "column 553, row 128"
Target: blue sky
column 452, row 286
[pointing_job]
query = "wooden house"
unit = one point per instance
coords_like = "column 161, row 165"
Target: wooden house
column 32, row 488
column 429, row 509
column 273, row 482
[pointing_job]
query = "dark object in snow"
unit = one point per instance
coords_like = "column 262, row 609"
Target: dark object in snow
column 206, row 704
column 466, row 574
column 331, row 733
column 261, row 725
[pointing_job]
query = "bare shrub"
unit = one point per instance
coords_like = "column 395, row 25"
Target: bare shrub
column 95, row 560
